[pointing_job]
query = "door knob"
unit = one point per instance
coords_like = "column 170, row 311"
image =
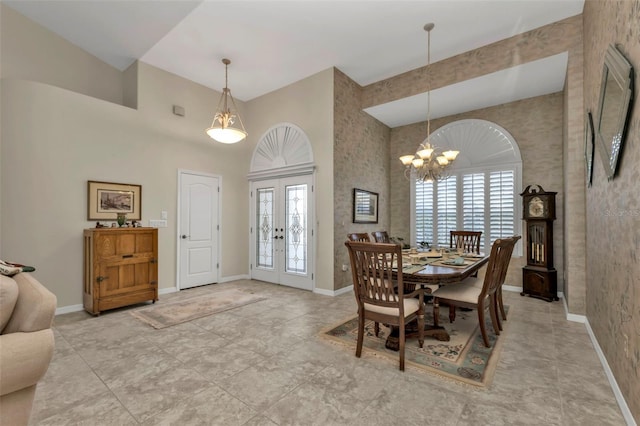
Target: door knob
column 184, row 237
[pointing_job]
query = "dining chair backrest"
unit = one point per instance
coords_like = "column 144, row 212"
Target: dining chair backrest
column 372, row 269
column 380, row 237
column 358, row 236
column 469, row 240
column 498, row 265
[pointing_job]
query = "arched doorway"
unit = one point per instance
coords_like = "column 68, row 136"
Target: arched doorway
column 282, row 208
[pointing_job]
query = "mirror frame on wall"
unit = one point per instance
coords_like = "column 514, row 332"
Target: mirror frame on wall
column 616, row 93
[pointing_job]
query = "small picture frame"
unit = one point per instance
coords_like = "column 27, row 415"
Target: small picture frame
column 105, row 200
column 589, row 144
column 365, row 206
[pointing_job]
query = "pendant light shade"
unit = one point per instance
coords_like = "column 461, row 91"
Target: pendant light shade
column 227, row 125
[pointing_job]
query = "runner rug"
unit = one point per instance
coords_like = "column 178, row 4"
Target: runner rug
column 172, row 313
column 464, row 358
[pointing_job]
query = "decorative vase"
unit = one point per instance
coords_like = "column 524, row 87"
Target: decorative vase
column 122, row 218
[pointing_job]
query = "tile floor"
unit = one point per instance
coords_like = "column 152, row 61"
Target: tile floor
column 264, row 364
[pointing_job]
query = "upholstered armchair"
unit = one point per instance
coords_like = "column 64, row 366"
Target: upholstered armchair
column 27, row 309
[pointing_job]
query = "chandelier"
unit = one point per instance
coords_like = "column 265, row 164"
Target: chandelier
column 429, row 163
column 222, row 128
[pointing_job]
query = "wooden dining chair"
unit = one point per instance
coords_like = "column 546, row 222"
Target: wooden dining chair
column 358, row 236
column 469, row 240
column 378, row 298
column 380, row 237
column 471, row 295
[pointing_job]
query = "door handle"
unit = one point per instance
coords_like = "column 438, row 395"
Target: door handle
column 184, row 237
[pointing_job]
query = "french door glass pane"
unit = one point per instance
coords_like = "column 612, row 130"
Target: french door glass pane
column 264, row 227
column 296, row 225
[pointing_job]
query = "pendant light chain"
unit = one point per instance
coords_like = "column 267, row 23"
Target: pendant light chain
column 428, row 85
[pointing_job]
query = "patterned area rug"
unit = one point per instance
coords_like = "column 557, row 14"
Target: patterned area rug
column 464, row 358
column 166, row 315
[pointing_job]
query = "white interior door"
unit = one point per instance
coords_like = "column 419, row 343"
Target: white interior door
column 282, row 231
column 198, row 229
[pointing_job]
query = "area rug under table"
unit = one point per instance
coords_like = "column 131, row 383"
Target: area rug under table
column 172, row 313
column 464, row 358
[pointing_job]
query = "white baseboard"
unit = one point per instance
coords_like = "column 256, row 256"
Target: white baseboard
column 626, row 412
column 338, row 292
column 572, row 317
column 167, row 290
column 235, row 278
column 69, row 309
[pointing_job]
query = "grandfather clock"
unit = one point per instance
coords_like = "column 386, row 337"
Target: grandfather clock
column 539, row 277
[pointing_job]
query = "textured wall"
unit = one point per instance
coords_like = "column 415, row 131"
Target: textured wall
column 613, row 208
column 535, row 124
column 361, row 160
column 575, row 215
column 539, row 43
column 562, row 36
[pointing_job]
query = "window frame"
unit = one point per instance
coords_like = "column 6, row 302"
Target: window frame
column 516, row 167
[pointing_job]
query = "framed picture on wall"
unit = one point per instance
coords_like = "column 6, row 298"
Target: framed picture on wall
column 588, row 147
column 107, row 199
column 365, row 206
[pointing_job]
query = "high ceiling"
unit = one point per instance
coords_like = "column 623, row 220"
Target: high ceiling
column 275, row 43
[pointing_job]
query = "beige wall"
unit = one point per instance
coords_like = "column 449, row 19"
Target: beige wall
column 309, row 105
column 31, row 52
column 57, row 139
column 45, row 168
column 535, row 124
column 613, row 208
column 361, row 160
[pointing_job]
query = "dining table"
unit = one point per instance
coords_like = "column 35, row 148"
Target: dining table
column 427, row 270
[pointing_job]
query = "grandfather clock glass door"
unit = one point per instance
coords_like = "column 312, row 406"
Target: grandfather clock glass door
column 282, row 231
column 539, row 247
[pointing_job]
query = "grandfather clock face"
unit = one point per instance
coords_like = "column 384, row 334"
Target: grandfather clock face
column 536, row 207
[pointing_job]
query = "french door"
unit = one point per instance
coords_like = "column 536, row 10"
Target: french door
column 282, row 231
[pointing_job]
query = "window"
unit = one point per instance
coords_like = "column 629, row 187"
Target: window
column 470, row 200
column 482, row 192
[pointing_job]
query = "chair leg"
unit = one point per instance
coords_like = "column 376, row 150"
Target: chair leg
column 502, row 311
column 360, row 334
column 452, row 312
column 376, row 328
column 496, row 309
column 494, row 315
column 402, row 339
column 421, row 327
column 483, row 331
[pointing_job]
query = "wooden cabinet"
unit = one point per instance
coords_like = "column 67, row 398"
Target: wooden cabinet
column 120, row 267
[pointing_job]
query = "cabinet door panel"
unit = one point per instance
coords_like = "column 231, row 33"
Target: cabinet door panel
column 144, row 243
column 126, row 244
column 124, row 278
